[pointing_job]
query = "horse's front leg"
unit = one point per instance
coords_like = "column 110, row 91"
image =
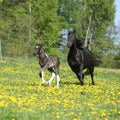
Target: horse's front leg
column 78, row 72
column 81, row 75
column 41, row 74
column 81, row 78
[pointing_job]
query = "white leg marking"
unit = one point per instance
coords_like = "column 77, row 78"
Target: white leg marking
column 43, row 81
column 58, row 80
column 53, row 75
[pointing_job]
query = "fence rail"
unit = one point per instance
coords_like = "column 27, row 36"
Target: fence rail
column 30, row 56
column 25, row 55
column 0, row 51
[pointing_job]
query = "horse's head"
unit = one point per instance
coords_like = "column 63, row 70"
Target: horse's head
column 71, row 39
column 37, row 49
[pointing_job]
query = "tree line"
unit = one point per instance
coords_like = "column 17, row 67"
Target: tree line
column 27, row 22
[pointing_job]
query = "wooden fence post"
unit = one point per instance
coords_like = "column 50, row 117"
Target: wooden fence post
column 0, row 51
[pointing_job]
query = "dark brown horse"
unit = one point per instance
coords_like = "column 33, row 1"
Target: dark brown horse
column 47, row 62
column 79, row 58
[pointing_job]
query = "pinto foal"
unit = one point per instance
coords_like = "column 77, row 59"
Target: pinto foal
column 51, row 63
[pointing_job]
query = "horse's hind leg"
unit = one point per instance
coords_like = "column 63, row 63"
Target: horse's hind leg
column 58, row 80
column 81, row 75
column 53, row 75
column 92, row 79
column 57, row 74
column 92, row 75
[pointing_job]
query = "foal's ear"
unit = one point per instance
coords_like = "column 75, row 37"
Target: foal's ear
column 40, row 45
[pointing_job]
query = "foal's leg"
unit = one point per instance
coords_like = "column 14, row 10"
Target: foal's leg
column 42, row 75
column 58, row 80
column 57, row 74
column 53, row 75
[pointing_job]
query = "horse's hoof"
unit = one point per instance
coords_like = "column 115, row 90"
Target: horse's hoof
column 93, row 83
column 82, row 84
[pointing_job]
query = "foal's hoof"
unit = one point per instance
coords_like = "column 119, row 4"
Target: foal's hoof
column 44, row 83
column 48, row 83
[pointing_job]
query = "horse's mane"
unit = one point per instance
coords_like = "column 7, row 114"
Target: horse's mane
column 79, row 41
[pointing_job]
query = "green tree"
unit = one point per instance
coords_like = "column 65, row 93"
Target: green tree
column 117, row 46
column 28, row 21
column 13, row 26
column 46, row 23
column 93, row 19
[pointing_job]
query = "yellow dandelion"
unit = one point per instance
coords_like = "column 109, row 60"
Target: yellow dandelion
column 75, row 119
column 118, row 93
column 58, row 117
column 29, row 110
column 106, row 119
column 13, row 99
column 13, row 118
column 103, row 113
column 93, row 113
column 118, row 112
column 2, row 104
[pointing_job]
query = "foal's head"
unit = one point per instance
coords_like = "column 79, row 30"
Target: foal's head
column 71, row 39
column 37, row 49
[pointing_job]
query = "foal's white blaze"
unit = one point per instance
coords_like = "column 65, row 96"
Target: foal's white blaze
column 37, row 47
column 53, row 75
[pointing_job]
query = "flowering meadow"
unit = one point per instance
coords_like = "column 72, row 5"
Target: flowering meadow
column 23, row 97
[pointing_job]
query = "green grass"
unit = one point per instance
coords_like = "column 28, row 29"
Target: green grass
column 23, row 97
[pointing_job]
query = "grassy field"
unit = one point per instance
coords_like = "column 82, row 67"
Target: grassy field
column 23, row 97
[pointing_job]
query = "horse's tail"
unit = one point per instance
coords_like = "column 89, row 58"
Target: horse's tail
column 90, row 69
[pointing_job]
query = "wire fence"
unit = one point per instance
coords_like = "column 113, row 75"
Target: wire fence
column 15, row 51
column 22, row 53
